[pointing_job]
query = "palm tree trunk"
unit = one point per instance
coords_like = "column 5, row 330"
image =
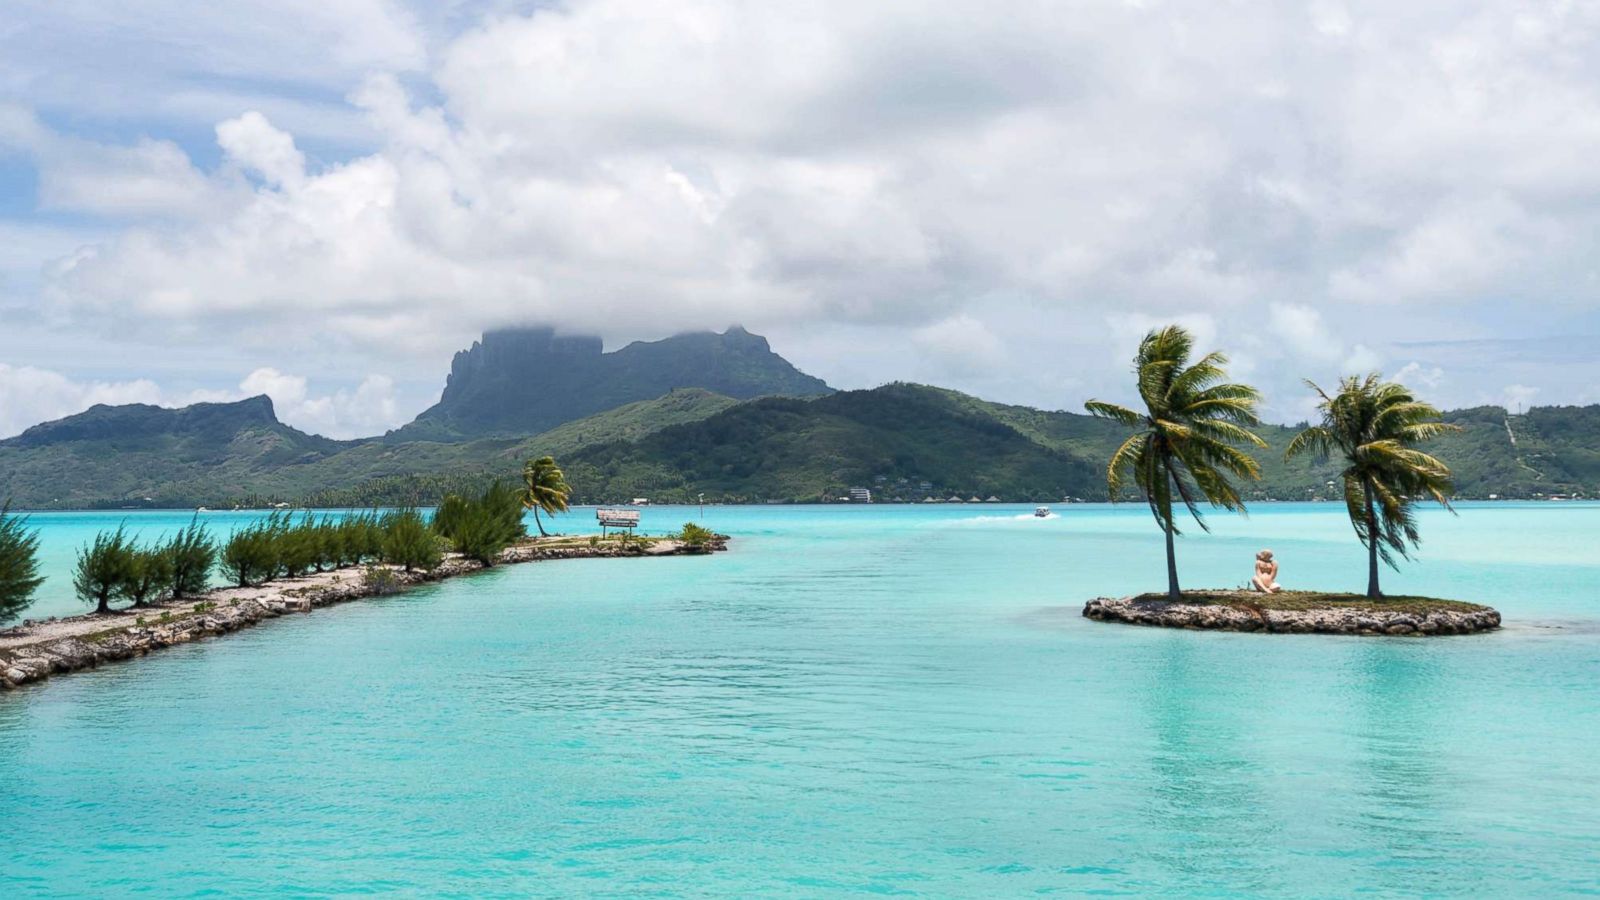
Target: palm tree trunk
column 538, row 524
column 1165, row 501
column 1173, row 593
column 1373, row 592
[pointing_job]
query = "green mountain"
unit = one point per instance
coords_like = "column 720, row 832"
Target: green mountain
column 891, row 439
column 111, row 455
column 1547, row 451
column 894, row 438
column 526, row 381
column 901, row 441
column 219, row 454
column 422, row 471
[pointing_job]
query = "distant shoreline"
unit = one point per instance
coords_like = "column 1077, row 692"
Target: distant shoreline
column 33, row 652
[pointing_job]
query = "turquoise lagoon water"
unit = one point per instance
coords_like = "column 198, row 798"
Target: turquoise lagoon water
column 853, row 700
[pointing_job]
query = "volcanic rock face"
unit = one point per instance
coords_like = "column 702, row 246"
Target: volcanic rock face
column 524, row 381
column 1326, row 620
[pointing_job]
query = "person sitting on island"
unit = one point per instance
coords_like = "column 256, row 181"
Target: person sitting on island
column 1266, row 577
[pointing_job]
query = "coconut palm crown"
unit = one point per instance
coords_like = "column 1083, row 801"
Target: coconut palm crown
column 544, row 488
column 1374, row 426
column 1186, row 439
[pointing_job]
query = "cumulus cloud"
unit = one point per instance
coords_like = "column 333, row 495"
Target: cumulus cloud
column 1303, row 331
column 1126, row 330
column 960, row 344
column 30, row 395
column 145, row 179
column 1282, row 183
column 1415, row 375
column 252, row 142
column 369, row 409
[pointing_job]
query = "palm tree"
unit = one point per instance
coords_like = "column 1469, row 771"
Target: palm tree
column 1375, row 427
column 1186, row 436
column 545, row 488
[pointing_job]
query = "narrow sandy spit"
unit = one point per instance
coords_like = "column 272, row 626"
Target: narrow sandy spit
column 34, row 651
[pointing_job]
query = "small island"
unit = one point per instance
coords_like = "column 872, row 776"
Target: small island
column 1187, row 446
column 1298, row 612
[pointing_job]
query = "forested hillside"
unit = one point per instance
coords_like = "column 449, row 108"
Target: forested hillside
column 892, row 439
column 903, row 441
column 239, row 453
column 149, row 455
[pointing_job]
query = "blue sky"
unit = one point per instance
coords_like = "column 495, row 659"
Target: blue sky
column 323, row 200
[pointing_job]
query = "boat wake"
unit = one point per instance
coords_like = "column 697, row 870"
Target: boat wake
column 1024, row 517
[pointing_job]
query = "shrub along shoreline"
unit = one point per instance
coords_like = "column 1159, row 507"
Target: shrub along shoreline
column 34, row 651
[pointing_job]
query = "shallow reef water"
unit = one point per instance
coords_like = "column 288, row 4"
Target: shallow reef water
column 870, row 699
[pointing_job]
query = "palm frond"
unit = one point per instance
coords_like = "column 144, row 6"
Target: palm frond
column 1316, row 440
column 1123, row 462
column 1113, row 411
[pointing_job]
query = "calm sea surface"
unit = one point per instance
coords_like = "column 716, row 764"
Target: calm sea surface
column 853, row 700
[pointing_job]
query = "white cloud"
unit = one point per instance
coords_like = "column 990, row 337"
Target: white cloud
column 30, row 395
column 1330, row 19
column 1303, row 331
column 187, row 64
column 1517, row 397
column 1129, row 328
column 368, row 410
column 960, row 344
column 1416, row 375
column 252, row 142
column 147, row 178
column 615, row 159
column 1362, row 359
column 635, row 168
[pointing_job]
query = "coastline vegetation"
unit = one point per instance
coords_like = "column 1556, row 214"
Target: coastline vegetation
column 482, row 526
column 694, row 536
column 193, row 554
column 1185, row 440
column 1374, row 427
column 149, row 575
column 1186, row 444
column 544, row 488
column 116, row 567
column 19, row 563
column 408, row 541
column 103, row 569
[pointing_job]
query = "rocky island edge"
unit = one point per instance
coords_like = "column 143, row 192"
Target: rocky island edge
column 1298, row 612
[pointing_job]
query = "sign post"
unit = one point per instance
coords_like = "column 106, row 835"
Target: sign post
column 617, row 518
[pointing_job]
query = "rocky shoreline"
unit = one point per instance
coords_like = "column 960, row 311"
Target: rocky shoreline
column 1244, row 615
column 34, row 651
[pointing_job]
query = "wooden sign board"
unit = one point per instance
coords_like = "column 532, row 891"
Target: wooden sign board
column 617, row 518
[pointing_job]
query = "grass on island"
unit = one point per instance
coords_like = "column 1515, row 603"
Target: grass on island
column 584, row 540
column 1297, row 601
